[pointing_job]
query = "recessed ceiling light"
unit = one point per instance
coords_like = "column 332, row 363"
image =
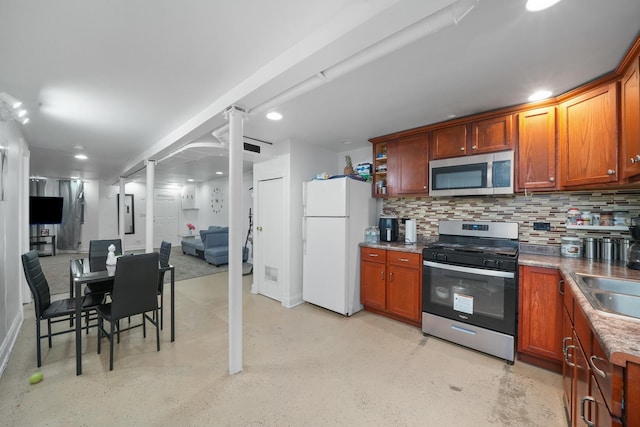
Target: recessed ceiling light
column 347, row 142
column 22, row 113
column 539, row 95
column 190, row 180
column 451, row 116
column 25, row 120
column 219, row 173
column 81, row 157
column 74, row 177
column 274, row 115
column 78, row 147
column 536, row 5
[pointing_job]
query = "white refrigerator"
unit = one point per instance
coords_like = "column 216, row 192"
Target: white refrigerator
column 336, row 214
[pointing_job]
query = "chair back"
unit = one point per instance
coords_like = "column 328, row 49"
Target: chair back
column 165, row 252
column 100, row 248
column 37, row 282
column 135, row 285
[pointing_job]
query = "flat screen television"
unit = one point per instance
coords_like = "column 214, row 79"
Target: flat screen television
column 45, row 210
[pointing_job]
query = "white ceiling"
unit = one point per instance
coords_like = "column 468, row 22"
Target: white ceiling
column 135, row 80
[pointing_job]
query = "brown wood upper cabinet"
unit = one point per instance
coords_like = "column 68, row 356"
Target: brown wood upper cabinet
column 536, row 159
column 478, row 137
column 409, row 165
column 630, row 121
column 588, row 138
column 449, row 142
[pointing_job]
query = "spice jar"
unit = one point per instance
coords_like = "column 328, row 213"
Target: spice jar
column 573, row 215
column 606, row 219
column 621, row 218
column 586, row 218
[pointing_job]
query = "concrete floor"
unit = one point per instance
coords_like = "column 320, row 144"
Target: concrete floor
column 303, row 366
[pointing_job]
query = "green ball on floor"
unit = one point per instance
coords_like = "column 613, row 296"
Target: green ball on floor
column 35, row 378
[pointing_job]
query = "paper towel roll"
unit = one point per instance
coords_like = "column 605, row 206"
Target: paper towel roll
column 410, row 235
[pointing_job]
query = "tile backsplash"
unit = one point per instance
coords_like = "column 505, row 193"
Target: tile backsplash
column 521, row 208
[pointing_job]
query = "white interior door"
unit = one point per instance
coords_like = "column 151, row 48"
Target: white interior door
column 166, row 215
column 268, row 238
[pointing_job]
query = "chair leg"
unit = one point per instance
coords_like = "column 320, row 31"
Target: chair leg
column 162, row 310
column 111, row 347
column 118, row 331
column 38, row 359
column 100, row 326
column 158, row 330
column 49, row 331
column 144, row 325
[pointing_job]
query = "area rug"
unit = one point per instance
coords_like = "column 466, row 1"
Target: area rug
column 56, row 268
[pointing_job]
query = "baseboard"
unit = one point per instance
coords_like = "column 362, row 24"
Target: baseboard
column 10, row 340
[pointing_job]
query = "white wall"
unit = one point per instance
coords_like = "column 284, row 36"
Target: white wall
column 359, row 155
column 205, row 216
column 14, row 237
column 108, row 214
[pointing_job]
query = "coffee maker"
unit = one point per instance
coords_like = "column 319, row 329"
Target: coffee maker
column 633, row 255
column 388, row 228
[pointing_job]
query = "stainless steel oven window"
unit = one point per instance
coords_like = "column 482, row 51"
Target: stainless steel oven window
column 480, row 297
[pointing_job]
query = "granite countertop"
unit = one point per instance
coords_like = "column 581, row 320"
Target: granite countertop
column 619, row 335
column 415, row 248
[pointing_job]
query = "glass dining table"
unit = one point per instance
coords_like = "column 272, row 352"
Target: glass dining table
column 83, row 271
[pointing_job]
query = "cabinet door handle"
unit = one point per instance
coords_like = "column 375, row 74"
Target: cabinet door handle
column 374, row 255
column 391, row 276
column 552, row 179
column 564, row 345
column 561, row 286
column 566, row 356
column 597, row 370
column 474, row 147
column 461, row 148
column 382, row 274
column 403, row 259
column 582, row 411
column 611, row 172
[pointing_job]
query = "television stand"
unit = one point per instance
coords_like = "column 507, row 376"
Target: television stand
column 38, row 241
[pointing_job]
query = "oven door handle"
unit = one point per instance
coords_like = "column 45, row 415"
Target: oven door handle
column 470, row 270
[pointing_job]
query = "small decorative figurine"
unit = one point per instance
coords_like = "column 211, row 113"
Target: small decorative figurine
column 111, row 256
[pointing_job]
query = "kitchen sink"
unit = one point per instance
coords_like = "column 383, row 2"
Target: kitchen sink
column 608, row 284
column 614, row 295
column 629, row 305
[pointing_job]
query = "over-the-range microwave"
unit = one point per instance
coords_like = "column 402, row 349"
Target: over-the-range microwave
column 481, row 174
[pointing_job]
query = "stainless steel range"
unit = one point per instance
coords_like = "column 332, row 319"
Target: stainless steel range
column 470, row 286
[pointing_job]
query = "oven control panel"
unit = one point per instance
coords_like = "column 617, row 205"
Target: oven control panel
column 475, row 227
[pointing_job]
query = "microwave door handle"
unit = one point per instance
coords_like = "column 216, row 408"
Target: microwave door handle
column 490, row 174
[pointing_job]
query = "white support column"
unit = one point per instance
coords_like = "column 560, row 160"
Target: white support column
column 151, row 170
column 235, row 115
column 121, row 229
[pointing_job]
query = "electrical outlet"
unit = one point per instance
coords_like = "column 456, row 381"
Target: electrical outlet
column 542, row 226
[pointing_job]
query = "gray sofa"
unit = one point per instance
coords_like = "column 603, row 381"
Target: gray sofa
column 212, row 246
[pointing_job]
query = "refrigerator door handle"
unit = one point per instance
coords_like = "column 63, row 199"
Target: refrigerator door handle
column 304, row 201
column 304, row 235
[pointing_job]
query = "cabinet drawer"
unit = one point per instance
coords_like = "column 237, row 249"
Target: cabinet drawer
column 374, row 255
column 608, row 377
column 406, row 259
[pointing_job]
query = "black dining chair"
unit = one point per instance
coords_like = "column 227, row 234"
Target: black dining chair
column 135, row 291
column 98, row 250
column 165, row 253
column 51, row 311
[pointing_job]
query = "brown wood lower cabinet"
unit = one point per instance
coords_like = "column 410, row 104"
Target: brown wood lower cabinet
column 592, row 385
column 540, row 317
column 391, row 284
